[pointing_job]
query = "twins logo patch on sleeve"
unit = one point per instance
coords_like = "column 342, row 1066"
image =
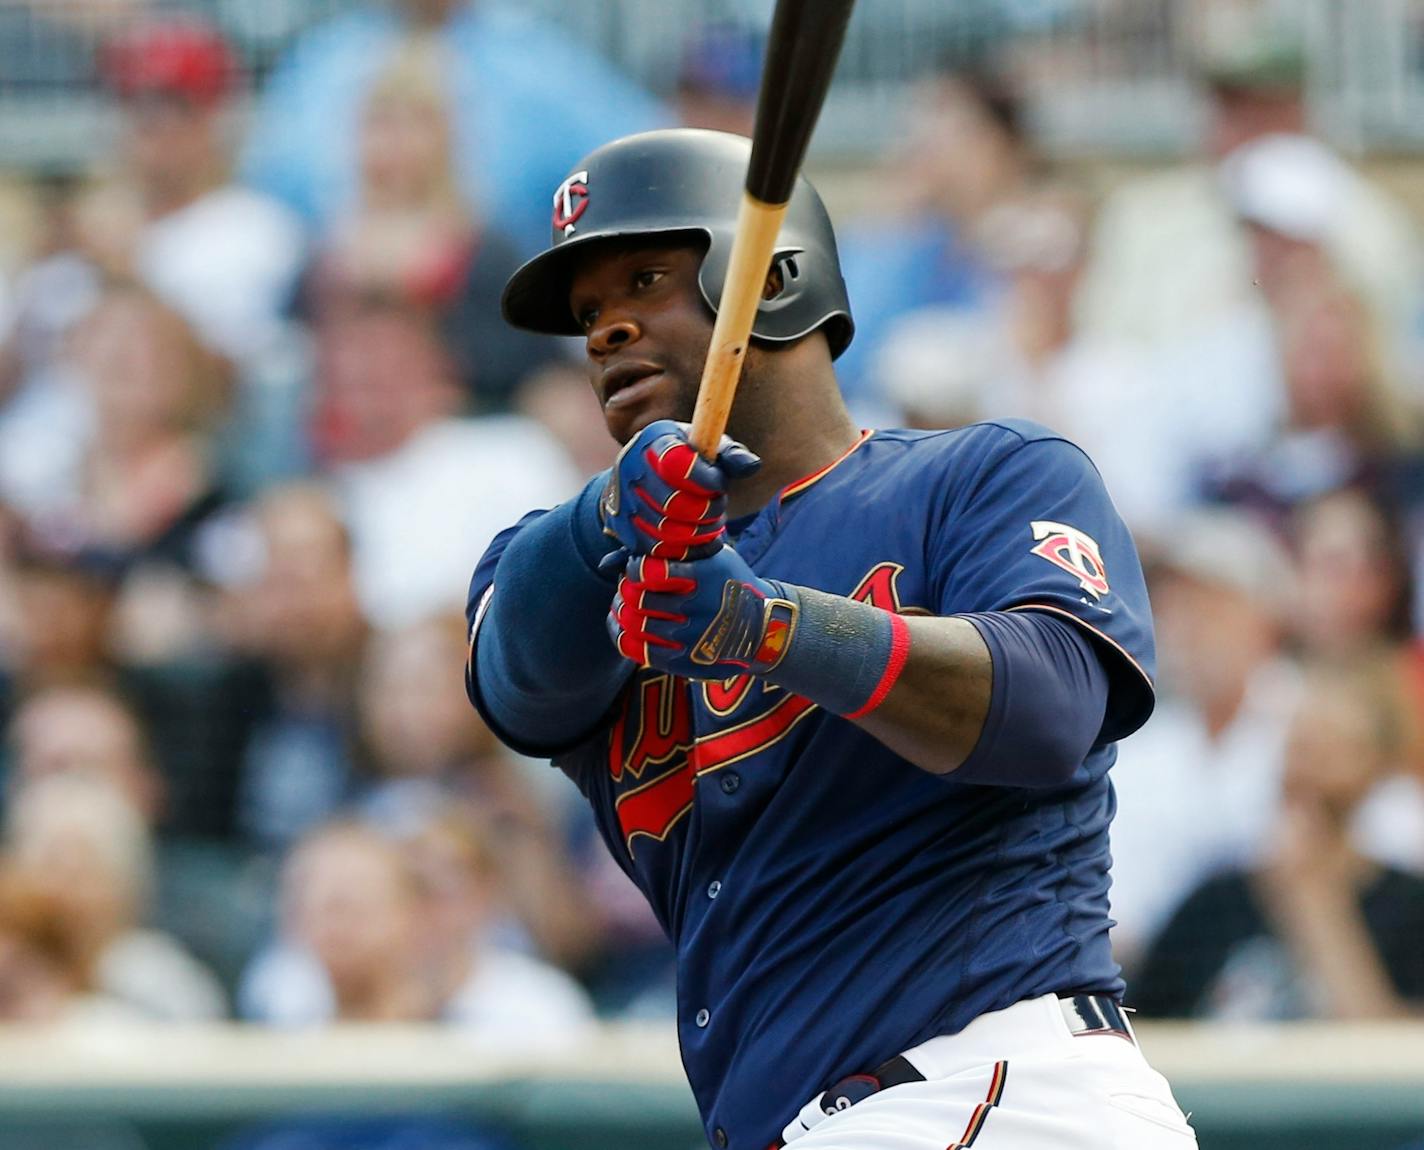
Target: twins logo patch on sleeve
column 1073, row 550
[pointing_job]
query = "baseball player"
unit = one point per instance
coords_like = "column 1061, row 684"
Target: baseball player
column 843, row 702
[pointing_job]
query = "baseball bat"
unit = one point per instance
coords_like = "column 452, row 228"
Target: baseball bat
column 801, row 52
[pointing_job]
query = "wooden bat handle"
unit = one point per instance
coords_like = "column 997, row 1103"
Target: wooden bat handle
column 752, row 250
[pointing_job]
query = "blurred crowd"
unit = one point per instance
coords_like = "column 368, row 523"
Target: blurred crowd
column 259, row 417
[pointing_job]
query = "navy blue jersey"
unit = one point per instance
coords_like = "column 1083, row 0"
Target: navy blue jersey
column 832, row 904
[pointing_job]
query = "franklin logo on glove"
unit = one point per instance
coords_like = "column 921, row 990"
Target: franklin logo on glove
column 750, row 630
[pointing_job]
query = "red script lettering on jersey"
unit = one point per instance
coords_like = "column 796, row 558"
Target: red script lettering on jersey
column 654, row 728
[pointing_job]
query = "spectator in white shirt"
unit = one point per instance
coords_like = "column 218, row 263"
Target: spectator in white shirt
column 425, row 489
column 1198, row 786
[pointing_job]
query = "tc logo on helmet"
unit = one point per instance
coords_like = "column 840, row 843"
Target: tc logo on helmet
column 1076, row 553
column 569, row 202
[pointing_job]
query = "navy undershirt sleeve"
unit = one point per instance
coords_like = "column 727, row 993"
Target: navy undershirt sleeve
column 545, row 670
column 1046, row 709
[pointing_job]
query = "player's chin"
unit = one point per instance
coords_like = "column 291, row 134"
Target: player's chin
column 625, row 420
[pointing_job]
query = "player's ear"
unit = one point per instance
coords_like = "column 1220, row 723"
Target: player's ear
column 775, row 282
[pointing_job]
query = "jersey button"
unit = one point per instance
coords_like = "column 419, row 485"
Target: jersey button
column 704, row 1016
column 730, row 782
column 719, row 1136
column 714, row 888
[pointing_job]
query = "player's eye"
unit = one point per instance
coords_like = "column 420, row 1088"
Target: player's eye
column 646, row 277
column 586, row 318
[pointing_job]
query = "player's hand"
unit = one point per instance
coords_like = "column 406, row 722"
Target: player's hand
column 663, row 499
column 708, row 618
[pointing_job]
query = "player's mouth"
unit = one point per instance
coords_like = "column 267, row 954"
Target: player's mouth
column 627, row 383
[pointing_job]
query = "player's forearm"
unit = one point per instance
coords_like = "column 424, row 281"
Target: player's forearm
column 544, row 668
column 1004, row 698
column 935, row 712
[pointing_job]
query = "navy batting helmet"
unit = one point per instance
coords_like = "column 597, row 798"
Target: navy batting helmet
column 684, row 180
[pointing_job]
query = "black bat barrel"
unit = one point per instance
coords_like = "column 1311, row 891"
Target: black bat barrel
column 801, row 54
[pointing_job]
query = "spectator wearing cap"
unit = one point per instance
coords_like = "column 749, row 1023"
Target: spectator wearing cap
column 223, row 255
column 511, row 71
column 1170, row 258
column 719, row 78
column 1293, row 372
column 1301, row 205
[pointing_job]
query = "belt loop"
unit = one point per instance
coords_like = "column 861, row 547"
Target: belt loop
column 1096, row 1014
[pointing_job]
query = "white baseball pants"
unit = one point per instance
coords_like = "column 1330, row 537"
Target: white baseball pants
column 1016, row 1079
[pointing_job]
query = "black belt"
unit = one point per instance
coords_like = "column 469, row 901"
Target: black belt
column 1096, row 1014
column 1085, row 1014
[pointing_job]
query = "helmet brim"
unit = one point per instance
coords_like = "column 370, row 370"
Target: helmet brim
column 536, row 298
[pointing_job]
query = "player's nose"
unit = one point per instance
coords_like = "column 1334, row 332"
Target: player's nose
column 614, row 330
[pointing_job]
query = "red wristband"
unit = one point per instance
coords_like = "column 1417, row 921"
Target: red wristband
column 899, row 653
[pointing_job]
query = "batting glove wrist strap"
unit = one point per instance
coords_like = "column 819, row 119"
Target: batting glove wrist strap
column 593, row 544
column 844, row 656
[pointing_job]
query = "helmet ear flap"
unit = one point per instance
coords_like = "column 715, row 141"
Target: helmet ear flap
column 787, row 264
column 790, row 284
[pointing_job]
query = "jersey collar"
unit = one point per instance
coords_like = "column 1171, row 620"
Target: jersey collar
column 815, row 477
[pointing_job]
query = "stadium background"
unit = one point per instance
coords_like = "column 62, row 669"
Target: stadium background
column 264, row 882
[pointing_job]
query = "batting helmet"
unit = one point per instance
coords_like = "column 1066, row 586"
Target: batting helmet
column 684, row 180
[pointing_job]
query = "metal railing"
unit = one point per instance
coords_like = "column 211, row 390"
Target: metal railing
column 1108, row 77
column 1250, row 1087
